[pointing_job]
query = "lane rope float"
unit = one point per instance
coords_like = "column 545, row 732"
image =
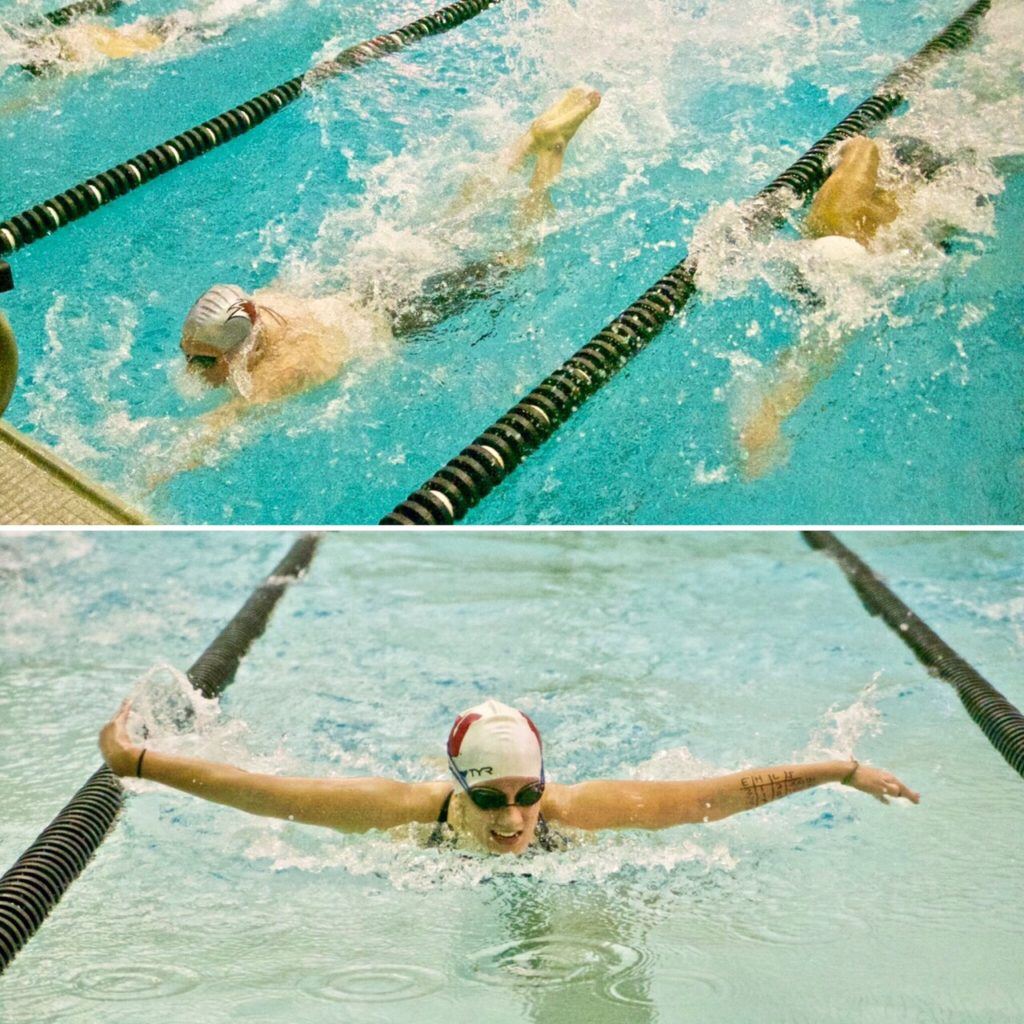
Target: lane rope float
column 56, row 212
column 38, row 879
column 495, row 454
column 215, row 668
column 998, row 719
column 72, row 12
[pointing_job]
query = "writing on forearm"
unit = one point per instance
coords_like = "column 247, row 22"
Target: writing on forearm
column 766, row 786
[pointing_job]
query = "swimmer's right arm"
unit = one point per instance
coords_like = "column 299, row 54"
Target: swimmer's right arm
column 348, row 805
column 214, row 425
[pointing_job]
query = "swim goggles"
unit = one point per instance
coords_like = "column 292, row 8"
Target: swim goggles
column 488, row 799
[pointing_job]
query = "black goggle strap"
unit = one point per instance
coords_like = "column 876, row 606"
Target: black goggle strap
column 459, row 777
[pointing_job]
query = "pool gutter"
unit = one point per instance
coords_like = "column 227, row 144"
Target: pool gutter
column 39, row 489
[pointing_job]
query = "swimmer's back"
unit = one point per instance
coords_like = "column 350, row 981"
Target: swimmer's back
column 306, row 342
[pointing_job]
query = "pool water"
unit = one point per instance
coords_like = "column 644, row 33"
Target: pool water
column 347, row 188
column 638, row 655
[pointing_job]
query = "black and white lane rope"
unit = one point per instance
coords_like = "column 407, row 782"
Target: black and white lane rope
column 35, row 883
column 496, row 453
column 72, row 12
column 74, row 203
column 998, row 719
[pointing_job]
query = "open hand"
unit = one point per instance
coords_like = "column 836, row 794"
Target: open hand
column 881, row 785
column 116, row 746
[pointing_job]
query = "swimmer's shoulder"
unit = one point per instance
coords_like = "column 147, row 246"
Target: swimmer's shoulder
column 425, row 799
column 557, row 802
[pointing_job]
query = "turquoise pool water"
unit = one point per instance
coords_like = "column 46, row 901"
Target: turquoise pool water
column 651, row 656
column 703, row 104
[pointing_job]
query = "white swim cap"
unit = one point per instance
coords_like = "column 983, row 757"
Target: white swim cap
column 219, row 319
column 839, row 249
column 492, row 741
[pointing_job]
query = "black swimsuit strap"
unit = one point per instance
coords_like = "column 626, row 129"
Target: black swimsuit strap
column 546, row 837
column 442, row 818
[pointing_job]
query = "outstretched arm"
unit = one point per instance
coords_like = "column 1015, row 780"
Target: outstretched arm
column 349, row 805
column 211, row 429
column 654, row 805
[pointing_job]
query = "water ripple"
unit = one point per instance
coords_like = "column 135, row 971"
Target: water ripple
column 552, row 960
column 632, row 988
column 373, row 983
column 134, row 981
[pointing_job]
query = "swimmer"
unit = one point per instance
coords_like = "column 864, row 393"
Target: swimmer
column 850, row 204
column 845, row 216
column 498, row 800
column 86, row 43
column 271, row 344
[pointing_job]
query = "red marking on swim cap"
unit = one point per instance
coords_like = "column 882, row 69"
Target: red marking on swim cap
column 535, row 730
column 458, row 733
column 247, row 308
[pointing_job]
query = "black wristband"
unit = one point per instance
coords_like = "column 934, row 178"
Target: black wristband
column 138, row 764
column 845, row 782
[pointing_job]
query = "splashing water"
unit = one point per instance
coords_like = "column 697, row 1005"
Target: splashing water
column 691, row 100
column 973, row 117
column 846, row 726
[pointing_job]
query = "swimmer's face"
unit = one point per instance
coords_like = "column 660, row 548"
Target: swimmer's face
column 205, row 360
column 507, row 829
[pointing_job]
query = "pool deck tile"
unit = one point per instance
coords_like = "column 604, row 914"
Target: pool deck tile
column 37, row 489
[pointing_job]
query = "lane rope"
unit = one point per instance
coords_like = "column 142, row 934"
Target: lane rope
column 74, row 203
column 72, row 12
column 495, row 454
column 38, row 879
column 997, row 718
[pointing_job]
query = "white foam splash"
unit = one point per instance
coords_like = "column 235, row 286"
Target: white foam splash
column 846, row 726
column 170, row 714
column 405, row 863
column 646, row 60
column 703, row 477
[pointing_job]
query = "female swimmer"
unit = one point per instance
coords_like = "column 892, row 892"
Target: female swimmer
column 501, row 801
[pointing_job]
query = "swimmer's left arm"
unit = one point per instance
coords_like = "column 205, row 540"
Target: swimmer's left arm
column 655, row 805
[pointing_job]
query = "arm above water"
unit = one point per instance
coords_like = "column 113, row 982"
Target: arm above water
column 348, row 805
column 850, row 203
column 654, row 805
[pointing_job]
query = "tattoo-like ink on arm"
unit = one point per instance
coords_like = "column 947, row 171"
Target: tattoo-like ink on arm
column 767, row 786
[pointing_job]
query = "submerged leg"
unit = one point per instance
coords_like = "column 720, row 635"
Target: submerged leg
column 545, row 142
column 796, row 373
column 850, row 203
